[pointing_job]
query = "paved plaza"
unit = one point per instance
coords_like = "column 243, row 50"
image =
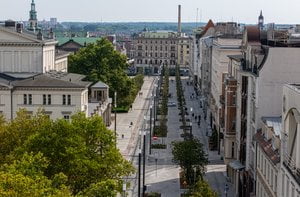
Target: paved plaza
column 162, row 175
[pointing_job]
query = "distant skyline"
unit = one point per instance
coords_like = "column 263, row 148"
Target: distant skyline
column 277, row 11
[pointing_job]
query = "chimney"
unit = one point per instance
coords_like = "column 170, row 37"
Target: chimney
column 40, row 35
column 179, row 19
column 19, row 27
column 51, row 34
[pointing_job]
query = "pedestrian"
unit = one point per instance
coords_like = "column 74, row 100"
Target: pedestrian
column 196, row 117
column 122, row 136
column 199, row 117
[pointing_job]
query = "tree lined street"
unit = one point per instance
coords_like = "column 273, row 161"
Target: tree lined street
column 162, row 175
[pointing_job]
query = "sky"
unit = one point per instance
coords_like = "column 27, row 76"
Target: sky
column 242, row 11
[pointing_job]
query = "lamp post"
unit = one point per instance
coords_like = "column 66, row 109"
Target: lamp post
column 150, row 138
column 115, row 118
column 139, row 174
column 144, row 163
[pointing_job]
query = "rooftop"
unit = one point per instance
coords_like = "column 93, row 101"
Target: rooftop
column 19, row 31
column 274, row 123
column 47, row 80
column 266, row 146
column 80, row 40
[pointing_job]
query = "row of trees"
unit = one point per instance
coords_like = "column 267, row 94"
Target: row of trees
column 161, row 130
column 101, row 62
column 189, row 153
column 42, row 157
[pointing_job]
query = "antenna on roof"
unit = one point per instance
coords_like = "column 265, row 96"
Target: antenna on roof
column 197, row 18
column 200, row 15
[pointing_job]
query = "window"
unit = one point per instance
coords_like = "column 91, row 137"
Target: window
column 44, row 99
column 232, row 150
column 25, row 99
column 271, row 178
column 234, row 99
column 293, row 189
column 30, row 99
column 268, row 173
column 66, row 117
column 287, row 187
column 258, row 158
column 69, row 99
column 49, row 99
column 275, row 183
column 282, row 185
column 64, row 99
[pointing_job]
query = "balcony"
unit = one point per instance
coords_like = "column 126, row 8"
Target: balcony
column 290, row 164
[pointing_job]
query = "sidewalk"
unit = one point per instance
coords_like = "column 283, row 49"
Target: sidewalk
column 163, row 176
column 136, row 115
column 216, row 169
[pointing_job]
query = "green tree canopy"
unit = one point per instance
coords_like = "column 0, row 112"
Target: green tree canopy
column 189, row 154
column 201, row 189
column 101, row 62
column 83, row 150
column 25, row 177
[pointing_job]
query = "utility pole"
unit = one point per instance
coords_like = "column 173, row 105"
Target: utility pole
column 139, row 174
column 115, row 118
column 144, row 164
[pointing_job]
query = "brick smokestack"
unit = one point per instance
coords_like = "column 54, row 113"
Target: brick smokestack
column 179, row 19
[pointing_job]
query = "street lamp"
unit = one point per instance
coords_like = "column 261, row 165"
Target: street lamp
column 139, row 174
column 144, row 163
column 115, row 118
column 150, row 139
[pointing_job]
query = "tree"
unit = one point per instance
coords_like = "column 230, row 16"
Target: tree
column 83, row 150
column 25, row 177
column 101, row 62
column 201, row 189
column 189, row 154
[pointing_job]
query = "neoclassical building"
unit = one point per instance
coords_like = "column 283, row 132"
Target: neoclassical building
column 33, row 75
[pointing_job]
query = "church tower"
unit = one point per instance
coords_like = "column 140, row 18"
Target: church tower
column 33, row 23
column 260, row 21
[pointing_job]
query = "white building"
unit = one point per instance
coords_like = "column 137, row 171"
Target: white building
column 25, row 51
column 290, row 151
column 59, row 94
column 33, row 75
column 261, row 74
column 268, row 157
column 222, row 47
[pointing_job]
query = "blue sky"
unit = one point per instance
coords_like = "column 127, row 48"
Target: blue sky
column 277, row 11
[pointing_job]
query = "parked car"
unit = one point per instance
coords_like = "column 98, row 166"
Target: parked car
column 171, row 104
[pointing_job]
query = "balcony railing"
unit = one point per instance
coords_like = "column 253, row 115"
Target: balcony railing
column 291, row 164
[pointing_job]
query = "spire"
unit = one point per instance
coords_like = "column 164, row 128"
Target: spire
column 261, row 21
column 32, row 17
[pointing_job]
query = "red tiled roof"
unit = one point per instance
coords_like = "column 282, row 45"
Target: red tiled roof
column 267, row 147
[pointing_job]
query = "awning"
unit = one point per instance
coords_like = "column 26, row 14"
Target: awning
column 236, row 165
